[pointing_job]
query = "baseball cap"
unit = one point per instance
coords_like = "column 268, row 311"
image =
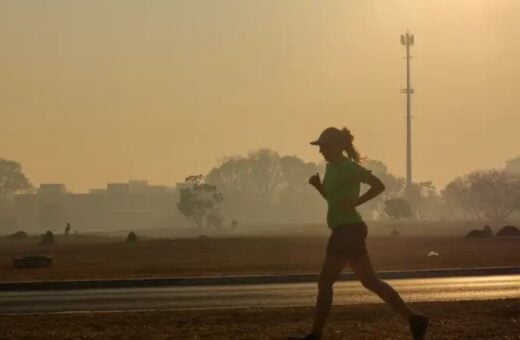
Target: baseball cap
column 329, row 136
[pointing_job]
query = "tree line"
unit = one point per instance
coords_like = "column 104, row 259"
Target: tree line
column 264, row 186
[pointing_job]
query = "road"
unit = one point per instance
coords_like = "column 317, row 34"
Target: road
column 265, row 295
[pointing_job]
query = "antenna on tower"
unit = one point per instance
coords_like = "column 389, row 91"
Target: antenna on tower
column 407, row 40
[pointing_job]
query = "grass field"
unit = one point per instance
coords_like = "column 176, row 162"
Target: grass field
column 499, row 319
column 89, row 257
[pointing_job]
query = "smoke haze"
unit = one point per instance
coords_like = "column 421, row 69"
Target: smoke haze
column 94, row 91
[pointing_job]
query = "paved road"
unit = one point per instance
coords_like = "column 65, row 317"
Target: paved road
column 267, row 295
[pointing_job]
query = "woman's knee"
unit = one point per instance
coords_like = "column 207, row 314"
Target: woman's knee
column 325, row 286
column 373, row 283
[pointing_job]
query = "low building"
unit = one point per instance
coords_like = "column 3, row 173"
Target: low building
column 120, row 206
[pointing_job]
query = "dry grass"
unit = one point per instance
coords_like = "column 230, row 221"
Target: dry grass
column 449, row 320
column 96, row 257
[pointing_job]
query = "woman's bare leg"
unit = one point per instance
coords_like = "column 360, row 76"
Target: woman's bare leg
column 331, row 268
column 363, row 270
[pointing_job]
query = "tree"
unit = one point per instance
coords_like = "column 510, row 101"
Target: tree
column 265, row 171
column 513, row 165
column 232, row 178
column 397, row 208
column 12, row 179
column 296, row 173
column 215, row 219
column 198, row 199
column 490, row 194
column 424, row 200
column 264, row 185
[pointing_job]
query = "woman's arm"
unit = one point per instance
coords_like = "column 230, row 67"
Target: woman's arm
column 376, row 187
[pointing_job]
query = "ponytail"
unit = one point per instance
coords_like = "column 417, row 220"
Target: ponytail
column 349, row 147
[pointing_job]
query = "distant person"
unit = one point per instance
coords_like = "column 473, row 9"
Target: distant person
column 346, row 245
column 67, row 229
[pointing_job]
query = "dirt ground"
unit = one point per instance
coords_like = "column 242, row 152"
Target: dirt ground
column 499, row 319
column 104, row 258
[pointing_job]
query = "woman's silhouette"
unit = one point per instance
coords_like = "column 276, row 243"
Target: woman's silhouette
column 341, row 190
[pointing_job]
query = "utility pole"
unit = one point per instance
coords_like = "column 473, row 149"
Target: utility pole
column 407, row 40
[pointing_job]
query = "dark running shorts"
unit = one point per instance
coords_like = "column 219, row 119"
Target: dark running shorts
column 348, row 240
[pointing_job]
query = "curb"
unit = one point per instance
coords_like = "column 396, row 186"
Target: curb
column 247, row 279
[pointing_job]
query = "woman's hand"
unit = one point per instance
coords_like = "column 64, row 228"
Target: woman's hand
column 315, row 180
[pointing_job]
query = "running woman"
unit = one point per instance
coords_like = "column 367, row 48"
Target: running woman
column 346, row 245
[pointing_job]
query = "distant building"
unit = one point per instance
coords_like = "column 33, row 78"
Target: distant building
column 157, row 189
column 120, row 206
column 137, row 187
column 118, row 188
column 52, row 189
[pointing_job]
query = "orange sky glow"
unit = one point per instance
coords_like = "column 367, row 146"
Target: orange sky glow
column 106, row 91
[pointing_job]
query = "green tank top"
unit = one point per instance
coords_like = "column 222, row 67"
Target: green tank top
column 342, row 181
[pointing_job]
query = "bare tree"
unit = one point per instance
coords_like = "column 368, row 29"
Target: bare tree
column 198, row 200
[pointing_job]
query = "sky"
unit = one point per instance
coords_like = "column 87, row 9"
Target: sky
column 100, row 91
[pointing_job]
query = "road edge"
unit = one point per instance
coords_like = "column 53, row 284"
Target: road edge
column 245, row 279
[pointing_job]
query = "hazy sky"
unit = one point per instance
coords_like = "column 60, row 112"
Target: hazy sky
column 101, row 91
